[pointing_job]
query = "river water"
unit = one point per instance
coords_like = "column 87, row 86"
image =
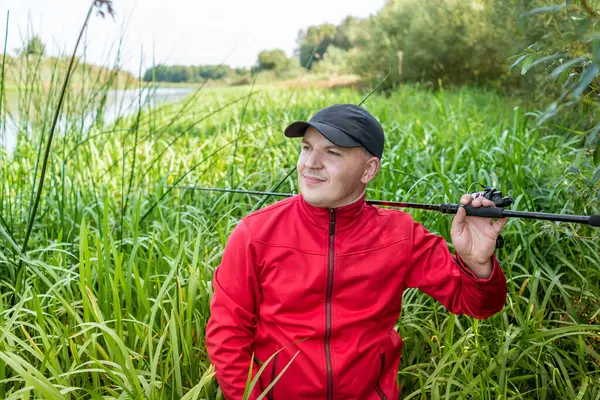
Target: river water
column 120, row 103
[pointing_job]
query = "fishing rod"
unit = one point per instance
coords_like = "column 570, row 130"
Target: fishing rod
column 489, row 193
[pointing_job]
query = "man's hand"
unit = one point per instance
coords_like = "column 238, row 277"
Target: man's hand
column 474, row 238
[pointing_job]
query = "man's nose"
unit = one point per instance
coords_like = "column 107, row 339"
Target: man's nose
column 313, row 161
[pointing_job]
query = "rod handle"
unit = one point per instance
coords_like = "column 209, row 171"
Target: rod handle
column 487, row 212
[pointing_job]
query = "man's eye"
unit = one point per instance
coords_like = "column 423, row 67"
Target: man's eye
column 305, row 147
column 333, row 153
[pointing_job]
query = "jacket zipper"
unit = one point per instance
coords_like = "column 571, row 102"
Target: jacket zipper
column 328, row 306
column 379, row 390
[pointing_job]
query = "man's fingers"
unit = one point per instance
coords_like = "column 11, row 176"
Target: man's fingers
column 482, row 201
column 461, row 214
column 458, row 223
column 466, row 199
column 488, row 203
column 499, row 224
column 477, row 202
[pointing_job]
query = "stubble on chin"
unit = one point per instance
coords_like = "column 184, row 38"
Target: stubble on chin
column 313, row 197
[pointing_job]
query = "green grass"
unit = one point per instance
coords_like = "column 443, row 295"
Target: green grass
column 116, row 288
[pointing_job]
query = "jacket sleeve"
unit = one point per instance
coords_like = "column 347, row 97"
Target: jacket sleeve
column 233, row 315
column 437, row 272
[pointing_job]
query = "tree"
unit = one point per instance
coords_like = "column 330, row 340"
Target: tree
column 563, row 45
column 315, row 41
column 335, row 61
column 272, row 60
column 35, row 47
column 454, row 42
column 351, row 31
column 190, row 73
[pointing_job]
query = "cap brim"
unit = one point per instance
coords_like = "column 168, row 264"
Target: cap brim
column 333, row 134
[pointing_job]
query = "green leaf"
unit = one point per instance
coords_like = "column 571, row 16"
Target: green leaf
column 588, row 75
column 33, row 377
column 517, row 62
column 264, row 393
column 593, row 134
column 558, row 70
column 250, row 388
column 582, row 391
column 195, row 392
column 176, row 369
column 539, row 61
column 596, row 49
column 543, row 10
column 526, row 64
column 596, row 176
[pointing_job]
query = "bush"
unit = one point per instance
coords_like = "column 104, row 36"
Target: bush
column 561, row 52
column 335, row 61
column 453, row 41
column 272, row 60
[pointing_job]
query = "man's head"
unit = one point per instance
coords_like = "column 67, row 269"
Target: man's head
column 340, row 154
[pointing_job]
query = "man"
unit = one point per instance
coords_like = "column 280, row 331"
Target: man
column 317, row 279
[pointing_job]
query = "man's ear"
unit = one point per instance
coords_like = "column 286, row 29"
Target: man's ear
column 371, row 167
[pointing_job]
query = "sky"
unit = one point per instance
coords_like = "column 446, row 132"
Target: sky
column 188, row 32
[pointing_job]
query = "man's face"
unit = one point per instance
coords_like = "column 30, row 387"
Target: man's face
column 330, row 176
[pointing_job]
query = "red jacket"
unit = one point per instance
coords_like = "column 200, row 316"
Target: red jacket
column 329, row 284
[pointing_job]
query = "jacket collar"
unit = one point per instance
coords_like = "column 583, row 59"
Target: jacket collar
column 345, row 215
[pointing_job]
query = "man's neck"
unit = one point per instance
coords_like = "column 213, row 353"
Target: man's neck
column 353, row 201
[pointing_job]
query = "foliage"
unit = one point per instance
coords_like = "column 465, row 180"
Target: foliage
column 335, row 61
column 269, row 60
column 564, row 52
column 182, row 73
column 101, row 4
column 313, row 42
column 34, row 47
column 456, row 42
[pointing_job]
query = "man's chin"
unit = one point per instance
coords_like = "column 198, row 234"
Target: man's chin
column 314, row 198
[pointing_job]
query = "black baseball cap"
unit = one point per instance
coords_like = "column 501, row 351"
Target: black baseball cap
column 345, row 125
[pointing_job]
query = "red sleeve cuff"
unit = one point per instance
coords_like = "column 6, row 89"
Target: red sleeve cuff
column 485, row 296
column 465, row 270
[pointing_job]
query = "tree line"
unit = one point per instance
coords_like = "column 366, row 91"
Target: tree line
column 184, row 73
